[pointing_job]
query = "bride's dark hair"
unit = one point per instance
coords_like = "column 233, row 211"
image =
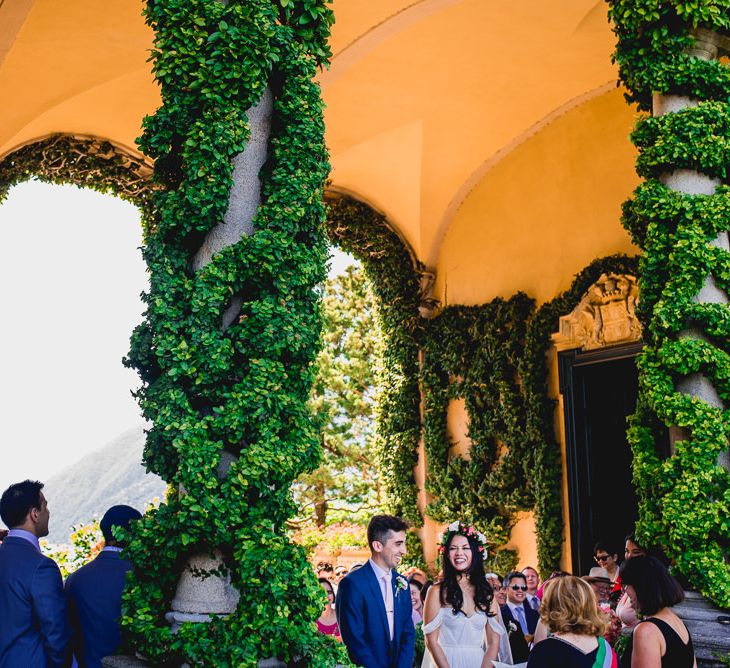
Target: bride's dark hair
column 450, row 592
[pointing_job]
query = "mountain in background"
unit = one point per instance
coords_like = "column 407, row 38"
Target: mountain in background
column 112, row 475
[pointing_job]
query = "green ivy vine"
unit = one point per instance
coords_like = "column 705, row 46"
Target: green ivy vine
column 393, row 274
column 243, row 389
column 684, row 497
column 472, row 352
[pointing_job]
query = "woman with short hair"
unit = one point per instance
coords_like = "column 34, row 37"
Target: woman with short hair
column 660, row 640
column 570, row 612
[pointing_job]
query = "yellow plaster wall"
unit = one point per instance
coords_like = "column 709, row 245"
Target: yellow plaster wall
column 544, row 211
column 523, row 539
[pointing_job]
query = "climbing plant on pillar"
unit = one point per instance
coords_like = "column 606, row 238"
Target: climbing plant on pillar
column 241, row 389
column 684, row 497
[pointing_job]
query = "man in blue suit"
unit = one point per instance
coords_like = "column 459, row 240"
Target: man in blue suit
column 34, row 631
column 95, row 594
column 519, row 619
column 374, row 603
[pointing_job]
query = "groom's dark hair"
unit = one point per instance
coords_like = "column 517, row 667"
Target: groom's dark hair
column 381, row 525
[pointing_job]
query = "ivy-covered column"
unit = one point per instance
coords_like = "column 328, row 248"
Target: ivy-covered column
column 680, row 216
column 231, row 329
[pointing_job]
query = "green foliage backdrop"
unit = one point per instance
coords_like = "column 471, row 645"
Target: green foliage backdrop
column 346, row 485
column 684, row 497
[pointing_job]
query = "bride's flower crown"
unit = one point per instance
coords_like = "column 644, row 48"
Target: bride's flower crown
column 462, row 529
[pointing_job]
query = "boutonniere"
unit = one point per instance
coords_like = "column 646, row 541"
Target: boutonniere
column 511, row 627
column 400, row 585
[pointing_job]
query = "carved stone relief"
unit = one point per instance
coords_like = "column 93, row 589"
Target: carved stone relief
column 605, row 316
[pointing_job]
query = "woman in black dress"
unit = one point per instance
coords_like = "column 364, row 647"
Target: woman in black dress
column 661, row 640
column 570, row 612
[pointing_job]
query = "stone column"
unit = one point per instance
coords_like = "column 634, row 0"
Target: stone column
column 690, row 182
column 200, row 595
column 706, row 623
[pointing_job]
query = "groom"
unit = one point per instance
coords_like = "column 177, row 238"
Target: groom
column 374, row 602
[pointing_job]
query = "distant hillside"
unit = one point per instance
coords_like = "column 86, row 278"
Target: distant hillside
column 112, row 475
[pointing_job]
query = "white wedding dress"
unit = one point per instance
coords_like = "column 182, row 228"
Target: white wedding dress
column 463, row 638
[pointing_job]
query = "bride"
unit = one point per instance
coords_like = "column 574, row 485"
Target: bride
column 458, row 621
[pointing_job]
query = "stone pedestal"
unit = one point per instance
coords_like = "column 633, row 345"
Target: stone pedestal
column 123, row 661
column 710, row 629
column 200, row 594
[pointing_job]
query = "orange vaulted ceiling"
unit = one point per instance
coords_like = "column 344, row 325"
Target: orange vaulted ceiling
column 427, row 101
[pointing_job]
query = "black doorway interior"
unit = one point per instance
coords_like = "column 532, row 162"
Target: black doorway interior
column 599, row 390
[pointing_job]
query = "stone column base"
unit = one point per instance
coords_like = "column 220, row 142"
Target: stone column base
column 709, row 626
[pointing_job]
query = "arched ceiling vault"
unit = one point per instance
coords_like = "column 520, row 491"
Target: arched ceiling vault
column 423, row 97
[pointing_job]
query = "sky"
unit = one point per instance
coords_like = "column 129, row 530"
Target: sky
column 72, row 275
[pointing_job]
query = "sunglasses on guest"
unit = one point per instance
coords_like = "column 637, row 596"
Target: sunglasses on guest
column 602, row 557
column 518, row 587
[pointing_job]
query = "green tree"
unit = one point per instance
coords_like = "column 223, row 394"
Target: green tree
column 344, row 396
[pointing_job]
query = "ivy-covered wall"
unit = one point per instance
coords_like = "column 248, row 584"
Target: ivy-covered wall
column 684, row 497
column 472, row 353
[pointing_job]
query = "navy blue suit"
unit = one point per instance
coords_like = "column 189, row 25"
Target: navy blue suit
column 517, row 642
column 34, row 631
column 364, row 625
column 94, row 595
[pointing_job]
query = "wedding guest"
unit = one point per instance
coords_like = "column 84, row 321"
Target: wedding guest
column 416, row 587
column 660, row 640
column 533, row 582
column 500, row 593
column 325, row 570
column 94, row 593
column 624, row 609
column 519, row 619
column 34, row 631
column 607, row 557
column 552, row 576
column 601, row 585
column 327, row 621
column 570, row 613
column 415, row 573
column 340, row 572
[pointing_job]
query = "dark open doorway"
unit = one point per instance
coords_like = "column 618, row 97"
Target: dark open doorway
column 599, row 389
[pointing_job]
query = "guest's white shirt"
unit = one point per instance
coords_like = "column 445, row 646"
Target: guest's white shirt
column 25, row 535
column 385, row 578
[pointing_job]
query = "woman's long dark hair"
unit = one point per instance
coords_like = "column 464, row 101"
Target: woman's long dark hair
column 450, row 591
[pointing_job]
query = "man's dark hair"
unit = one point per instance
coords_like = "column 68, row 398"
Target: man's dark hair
column 513, row 575
column 602, row 546
column 655, row 588
column 380, row 527
column 17, row 501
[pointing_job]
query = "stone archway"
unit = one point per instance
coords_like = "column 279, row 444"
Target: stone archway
column 86, row 161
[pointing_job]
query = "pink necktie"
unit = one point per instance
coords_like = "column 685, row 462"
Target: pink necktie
column 389, row 611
